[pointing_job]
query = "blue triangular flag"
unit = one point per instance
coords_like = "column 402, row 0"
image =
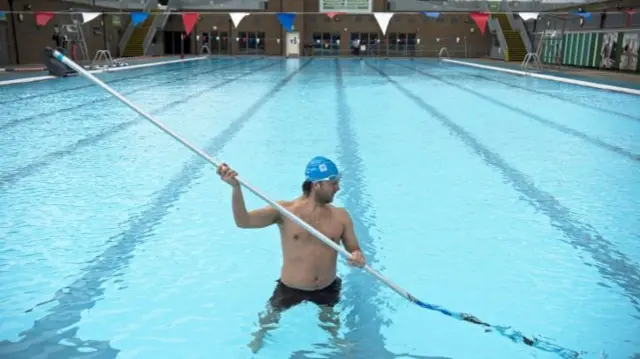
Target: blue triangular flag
column 138, row 17
column 286, row 20
column 585, row 15
column 432, row 14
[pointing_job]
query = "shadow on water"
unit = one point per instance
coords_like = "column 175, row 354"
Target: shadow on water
column 43, row 340
column 364, row 318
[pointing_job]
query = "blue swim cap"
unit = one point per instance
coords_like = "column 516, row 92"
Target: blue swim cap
column 321, row 169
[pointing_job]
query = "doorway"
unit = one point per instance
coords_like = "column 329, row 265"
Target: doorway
column 177, row 43
column 5, row 58
column 293, row 44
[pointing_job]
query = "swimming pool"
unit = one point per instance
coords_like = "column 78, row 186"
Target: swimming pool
column 510, row 198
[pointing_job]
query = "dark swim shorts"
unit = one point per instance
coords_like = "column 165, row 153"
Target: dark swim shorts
column 285, row 297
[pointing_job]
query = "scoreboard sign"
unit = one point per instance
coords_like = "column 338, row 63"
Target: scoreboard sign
column 346, row 6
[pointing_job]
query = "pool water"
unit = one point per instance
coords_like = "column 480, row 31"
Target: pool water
column 513, row 199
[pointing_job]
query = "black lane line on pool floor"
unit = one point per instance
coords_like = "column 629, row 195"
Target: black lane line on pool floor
column 364, row 319
column 540, row 92
column 611, row 263
column 83, row 293
column 108, row 97
column 556, row 97
column 554, row 125
column 21, row 173
column 62, row 91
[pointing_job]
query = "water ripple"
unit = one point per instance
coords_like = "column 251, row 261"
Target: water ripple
column 43, row 339
column 611, row 263
column 152, row 72
column 108, row 97
column 556, row 126
column 361, row 292
column 561, row 96
column 18, row 174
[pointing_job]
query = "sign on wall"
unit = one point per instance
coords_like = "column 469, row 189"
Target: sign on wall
column 116, row 21
column 347, row 6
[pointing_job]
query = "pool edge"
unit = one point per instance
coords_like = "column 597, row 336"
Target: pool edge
column 549, row 77
column 114, row 69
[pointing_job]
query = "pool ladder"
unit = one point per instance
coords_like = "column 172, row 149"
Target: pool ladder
column 102, row 55
column 531, row 60
column 444, row 52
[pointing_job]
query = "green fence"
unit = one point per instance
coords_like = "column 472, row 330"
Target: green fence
column 614, row 50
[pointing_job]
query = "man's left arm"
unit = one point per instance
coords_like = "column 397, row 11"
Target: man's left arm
column 350, row 241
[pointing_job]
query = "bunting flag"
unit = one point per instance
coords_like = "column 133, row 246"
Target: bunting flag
column 383, row 20
column 43, row 18
column 433, row 15
column 88, row 16
column 189, row 20
column 629, row 21
column 583, row 14
column 480, row 18
column 236, row 17
column 138, row 17
column 331, row 15
column 528, row 15
column 286, row 20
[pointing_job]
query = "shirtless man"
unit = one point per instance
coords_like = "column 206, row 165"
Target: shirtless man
column 308, row 271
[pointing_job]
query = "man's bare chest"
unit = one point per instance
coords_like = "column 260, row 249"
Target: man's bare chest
column 325, row 224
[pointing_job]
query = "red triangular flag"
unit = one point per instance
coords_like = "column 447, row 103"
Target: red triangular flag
column 42, row 18
column 480, row 19
column 630, row 13
column 189, row 20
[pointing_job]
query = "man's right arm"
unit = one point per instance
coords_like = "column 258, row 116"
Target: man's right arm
column 258, row 218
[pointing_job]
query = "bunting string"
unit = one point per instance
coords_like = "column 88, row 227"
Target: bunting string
column 287, row 19
column 433, row 14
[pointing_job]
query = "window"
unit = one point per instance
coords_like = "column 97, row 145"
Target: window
column 218, row 42
column 401, row 44
column 251, row 42
column 370, row 41
column 325, row 43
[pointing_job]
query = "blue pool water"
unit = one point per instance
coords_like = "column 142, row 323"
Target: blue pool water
column 512, row 199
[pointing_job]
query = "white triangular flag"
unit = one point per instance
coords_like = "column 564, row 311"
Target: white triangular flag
column 88, row 16
column 528, row 15
column 236, row 17
column 383, row 20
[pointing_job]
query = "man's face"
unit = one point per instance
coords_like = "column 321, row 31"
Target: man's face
column 325, row 191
